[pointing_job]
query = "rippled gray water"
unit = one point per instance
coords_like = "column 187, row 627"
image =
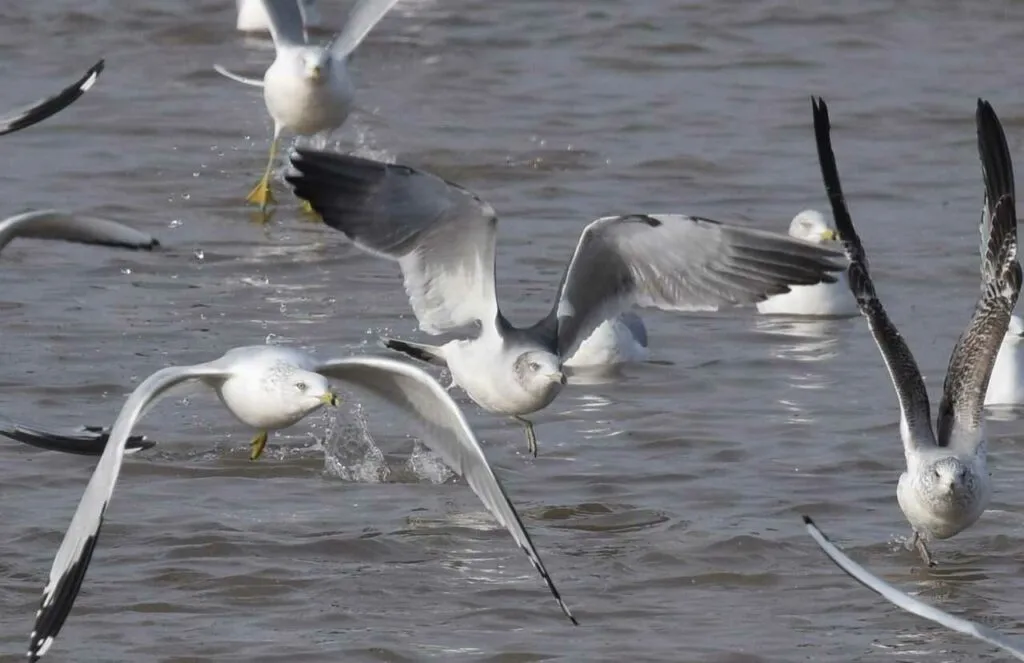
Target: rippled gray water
column 666, row 504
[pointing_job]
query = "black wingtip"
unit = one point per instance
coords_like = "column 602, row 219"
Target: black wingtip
column 808, row 521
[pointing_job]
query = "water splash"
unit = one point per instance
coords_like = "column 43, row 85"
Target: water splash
column 350, row 452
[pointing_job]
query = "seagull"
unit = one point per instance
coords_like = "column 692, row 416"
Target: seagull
column 307, row 89
column 821, row 299
column 60, row 225
column 946, row 486
column 443, row 237
column 1006, row 387
column 909, row 603
column 44, row 108
column 252, row 17
column 616, row 341
column 270, row 388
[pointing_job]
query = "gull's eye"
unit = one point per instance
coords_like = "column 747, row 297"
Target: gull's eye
column 534, row 366
column 301, row 386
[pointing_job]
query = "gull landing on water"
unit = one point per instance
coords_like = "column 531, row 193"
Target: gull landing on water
column 44, row 108
column 821, row 299
column 946, row 486
column 307, row 89
column 444, row 240
column 269, row 388
column 908, row 603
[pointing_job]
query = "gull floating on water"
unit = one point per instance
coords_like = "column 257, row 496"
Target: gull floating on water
column 44, row 108
column 443, row 237
column 58, row 225
column 820, row 299
column 946, row 486
column 908, row 603
column 1006, row 386
column 307, row 89
column 252, row 17
column 269, row 388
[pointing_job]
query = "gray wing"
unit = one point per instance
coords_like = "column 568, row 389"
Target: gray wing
column 88, row 441
column 675, row 262
column 970, row 366
column 361, row 19
column 286, row 25
column 445, row 430
column 915, row 410
column 60, row 225
column 908, row 603
column 442, row 235
column 635, row 324
column 44, row 108
column 72, row 559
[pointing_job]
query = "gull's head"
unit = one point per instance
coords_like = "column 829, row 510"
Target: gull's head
column 949, row 477
column 811, row 226
column 539, row 371
column 316, row 64
column 276, row 394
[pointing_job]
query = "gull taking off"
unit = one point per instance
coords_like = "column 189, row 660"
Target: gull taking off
column 443, row 238
column 270, row 388
column 57, row 225
column 821, row 299
column 307, row 89
column 909, row 603
column 44, row 108
column 946, row 486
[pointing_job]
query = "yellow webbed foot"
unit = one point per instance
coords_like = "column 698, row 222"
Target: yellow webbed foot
column 258, row 444
column 261, row 195
column 308, row 210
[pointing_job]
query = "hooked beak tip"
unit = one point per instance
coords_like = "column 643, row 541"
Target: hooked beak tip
column 330, row 398
column 558, row 377
column 830, row 235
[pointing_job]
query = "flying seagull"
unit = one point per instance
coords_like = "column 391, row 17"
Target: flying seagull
column 443, row 237
column 307, row 89
column 269, row 388
column 58, row 225
column 44, row 108
column 946, row 486
column 906, row 602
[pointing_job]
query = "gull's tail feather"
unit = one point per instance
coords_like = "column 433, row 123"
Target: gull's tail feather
column 89, row 441
column 227, row 73
column 431, row 354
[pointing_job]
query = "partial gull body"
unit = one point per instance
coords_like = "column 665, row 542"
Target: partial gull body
column 40, row 110
column 307, row 89
column 269, row 388
column 946, row 486
column 58, row 225
column 443, row 237
column 908, row 603
column 618, row 340
column 821, row 299
column 1006, row 386
column 252, row 17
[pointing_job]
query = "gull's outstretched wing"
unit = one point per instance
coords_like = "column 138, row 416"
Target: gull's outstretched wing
column 907, row 602
column 677, row 263
column 970, row 366
column 361, row 19
column 286, row 25
column 88, row 441
column 238, row 78
column 444, row 429
column 44, row 108
column 442, row 235
column 72, row 559
column 915, row 412
column 56, row 224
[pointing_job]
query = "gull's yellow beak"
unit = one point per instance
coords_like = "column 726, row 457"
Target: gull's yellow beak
column 316, row 72
column 557, row 377
column 330, row 398
column 830, row 235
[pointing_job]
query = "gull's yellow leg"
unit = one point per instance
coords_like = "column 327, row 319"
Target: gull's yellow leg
column 258, row 444
column 531, row 438
column 260, row 194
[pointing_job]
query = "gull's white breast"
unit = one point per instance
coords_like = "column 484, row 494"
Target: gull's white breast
column 301, row 106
